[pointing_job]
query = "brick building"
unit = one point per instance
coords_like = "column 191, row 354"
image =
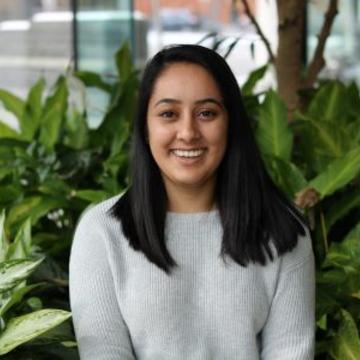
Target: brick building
column 220, row 10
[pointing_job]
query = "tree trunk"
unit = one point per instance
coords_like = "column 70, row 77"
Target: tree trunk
column 288, row 61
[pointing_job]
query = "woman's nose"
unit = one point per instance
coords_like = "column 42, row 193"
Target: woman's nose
column 188, row 129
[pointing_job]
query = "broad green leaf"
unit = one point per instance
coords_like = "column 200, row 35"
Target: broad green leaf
column 21, row 246
column 12, row 103
column 326, row 302
column 354, row 129
column 15, row 296
column 6, row 143
column 62, row 332
column 91, row 195
column 46, row 240
column 112, row 186
column 121, row 137
column 53, row 114
column 273, row 134
column 35, row 303
column 333, row 286
column 286, row 175
column 252, row 80
column 306, row 146
column 34, row 100
column 322, row 323
column 354, row 233
column 327, row 139
column 122, row 109
column 7, row 132
column 92, row 79
column 76, row 94
column 251, row 104
column 115, row 162
column 51, row 127
column 3, row 173
column 34, row 207
column 12, row 272
column 322, row 346
column 344, row 255
column 56, row 186
column 347, row 342
column 338, row 174
column 77, row 131
column 4, row 245
column 353, row 99
column 124, row 61
column 329, row 103
column 21, row 329
column 9, row 192
column 333, row 279
column 341, row 206
column 32, row 112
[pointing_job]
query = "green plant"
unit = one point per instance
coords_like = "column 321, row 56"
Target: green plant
column 56, row 164
column 18, row 260
column 316, row 161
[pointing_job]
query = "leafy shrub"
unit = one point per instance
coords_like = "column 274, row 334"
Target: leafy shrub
column 316, row 161
column 17, row 261
column 56, row 165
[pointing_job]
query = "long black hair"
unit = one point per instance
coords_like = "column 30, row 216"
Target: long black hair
column 252, row 209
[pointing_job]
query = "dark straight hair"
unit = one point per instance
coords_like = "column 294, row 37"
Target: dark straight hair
column 252, row 209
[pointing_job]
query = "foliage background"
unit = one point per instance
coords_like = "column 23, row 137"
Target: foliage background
column 56, row 165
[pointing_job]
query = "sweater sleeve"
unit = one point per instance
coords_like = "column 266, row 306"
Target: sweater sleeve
column 100, row 330
column 289, row 332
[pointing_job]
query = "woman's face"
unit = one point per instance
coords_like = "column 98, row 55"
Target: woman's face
column 187, row 125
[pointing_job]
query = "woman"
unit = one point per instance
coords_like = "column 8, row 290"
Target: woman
column 202, row 257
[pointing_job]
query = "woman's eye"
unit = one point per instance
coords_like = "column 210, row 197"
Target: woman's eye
column 207, row 114
column 167, row 114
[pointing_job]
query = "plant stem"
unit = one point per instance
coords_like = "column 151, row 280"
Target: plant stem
column 323, row 230
column 258, row 29
column 318, row 62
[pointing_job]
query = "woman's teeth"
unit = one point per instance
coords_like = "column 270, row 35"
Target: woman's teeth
column 188, row 153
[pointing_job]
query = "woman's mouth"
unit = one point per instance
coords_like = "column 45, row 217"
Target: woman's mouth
column 188, row 154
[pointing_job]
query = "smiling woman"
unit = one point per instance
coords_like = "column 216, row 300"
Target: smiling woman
column 202, row 257
column 187, row 135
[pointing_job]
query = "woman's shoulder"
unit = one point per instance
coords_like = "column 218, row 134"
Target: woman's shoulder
column 301, row 254
column 98, row 215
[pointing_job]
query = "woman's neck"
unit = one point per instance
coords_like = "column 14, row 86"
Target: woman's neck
column 190, row 199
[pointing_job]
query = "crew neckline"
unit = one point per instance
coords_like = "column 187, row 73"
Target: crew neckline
column 212, row 210
column 192, row 214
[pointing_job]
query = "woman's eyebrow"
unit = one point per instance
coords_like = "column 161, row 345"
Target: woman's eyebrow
column 211, row 100
column 201, row 101
column 167, row 101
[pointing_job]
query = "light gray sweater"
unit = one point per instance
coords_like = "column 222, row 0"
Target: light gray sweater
column 125, row 307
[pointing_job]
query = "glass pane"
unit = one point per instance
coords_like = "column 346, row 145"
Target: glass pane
column 35, row 39
column 189, row 21
column 342, row 52
column 102, row 26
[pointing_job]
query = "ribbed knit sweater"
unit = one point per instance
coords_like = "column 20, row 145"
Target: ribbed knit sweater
column 124, row 307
